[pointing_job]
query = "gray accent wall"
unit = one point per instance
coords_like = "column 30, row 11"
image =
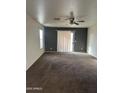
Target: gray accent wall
column 50, row 40
column 80, row 38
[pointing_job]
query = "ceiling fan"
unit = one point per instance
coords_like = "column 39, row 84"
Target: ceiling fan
column 72, row 19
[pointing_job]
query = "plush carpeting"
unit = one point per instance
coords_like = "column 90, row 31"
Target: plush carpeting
column 63, row 73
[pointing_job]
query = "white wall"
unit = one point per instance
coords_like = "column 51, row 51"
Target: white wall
column 33, row 51
column 92, row 40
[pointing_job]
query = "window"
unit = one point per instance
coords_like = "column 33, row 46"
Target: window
column 41, row 38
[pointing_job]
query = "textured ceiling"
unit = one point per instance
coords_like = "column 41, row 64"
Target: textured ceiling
column 45, row 10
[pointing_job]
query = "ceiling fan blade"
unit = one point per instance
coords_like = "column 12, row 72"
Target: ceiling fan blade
column 81, row 21
column 76, row 23
column 56, row 18
column 66, row 19
column 61, row 18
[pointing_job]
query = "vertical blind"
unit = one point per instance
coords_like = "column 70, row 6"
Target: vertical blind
column 64, row 43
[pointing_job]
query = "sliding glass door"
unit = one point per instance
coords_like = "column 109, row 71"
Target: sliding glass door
column 65, row 41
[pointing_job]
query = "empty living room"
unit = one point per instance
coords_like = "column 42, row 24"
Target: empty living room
column 61, row 46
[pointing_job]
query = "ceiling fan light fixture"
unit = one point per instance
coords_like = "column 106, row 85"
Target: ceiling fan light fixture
column 72, row 19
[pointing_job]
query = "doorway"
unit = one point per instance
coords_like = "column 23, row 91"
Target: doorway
column 64, row 41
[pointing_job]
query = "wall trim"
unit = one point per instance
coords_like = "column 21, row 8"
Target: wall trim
column 35, row 61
